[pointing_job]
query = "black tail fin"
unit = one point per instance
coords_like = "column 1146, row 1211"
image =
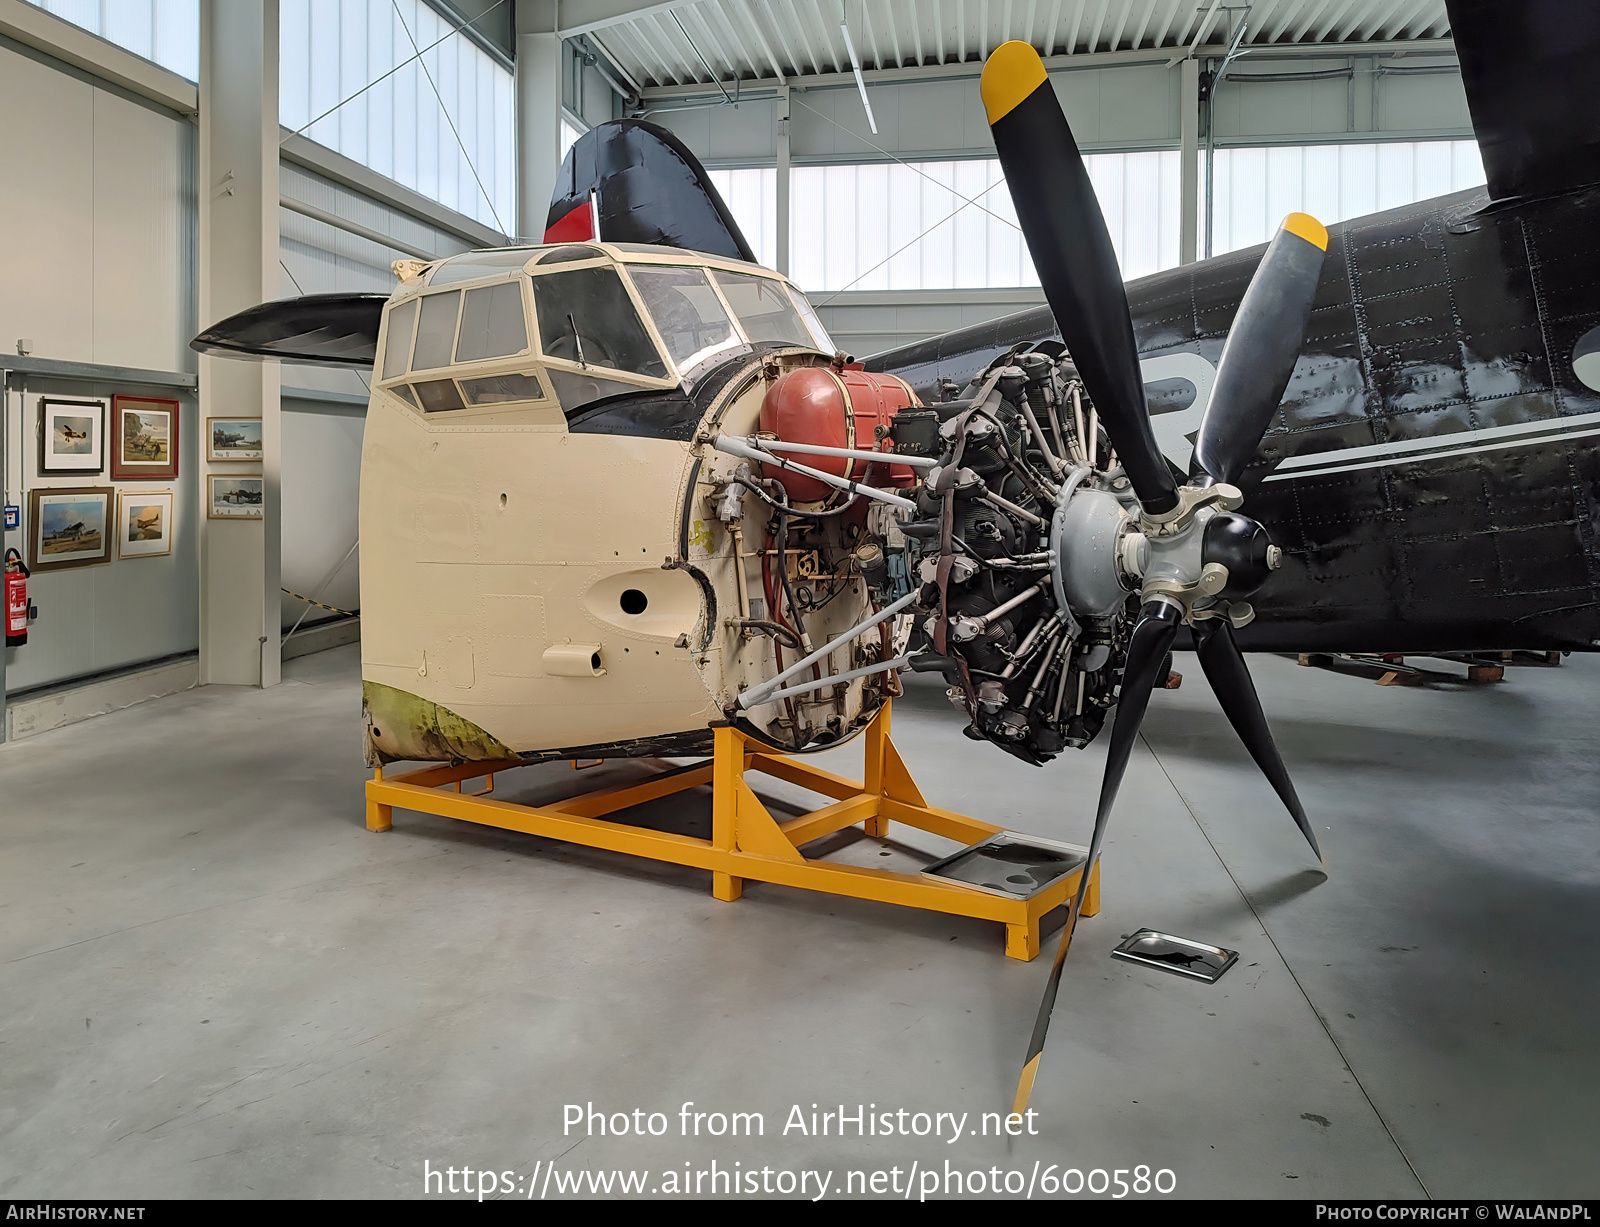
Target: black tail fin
column 630, row 181
column 1532, row 73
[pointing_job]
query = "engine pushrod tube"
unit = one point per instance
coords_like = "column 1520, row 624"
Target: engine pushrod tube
column 852, row 453
column 1000, row 611
column 849, row 675
column 1056, row 467
column 757, row 695
column 738, row 447
column 989, row 496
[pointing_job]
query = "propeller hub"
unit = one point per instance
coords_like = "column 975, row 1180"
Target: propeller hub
column 1241, row 545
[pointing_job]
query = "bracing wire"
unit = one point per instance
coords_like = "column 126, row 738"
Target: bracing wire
column 385, row 76
column 489, row 200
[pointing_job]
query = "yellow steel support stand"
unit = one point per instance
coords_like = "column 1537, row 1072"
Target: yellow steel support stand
column 746, row 842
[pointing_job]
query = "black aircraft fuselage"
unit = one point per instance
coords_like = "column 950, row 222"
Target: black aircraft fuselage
column 1433, row 471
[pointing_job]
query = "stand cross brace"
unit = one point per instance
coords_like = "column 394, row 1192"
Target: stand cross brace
column 747, row 843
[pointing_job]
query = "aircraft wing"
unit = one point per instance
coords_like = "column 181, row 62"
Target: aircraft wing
column 316, row 329
column 1532, row 74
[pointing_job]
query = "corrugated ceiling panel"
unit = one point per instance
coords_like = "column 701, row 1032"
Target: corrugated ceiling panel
column 758, row 39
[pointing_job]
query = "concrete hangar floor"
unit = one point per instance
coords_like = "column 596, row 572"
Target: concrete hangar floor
column 215, row 982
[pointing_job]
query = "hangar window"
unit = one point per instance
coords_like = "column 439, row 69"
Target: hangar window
column 586, row 316
column 685, row 310
column 391, row 117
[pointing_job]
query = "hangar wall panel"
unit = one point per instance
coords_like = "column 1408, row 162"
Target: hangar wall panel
column 46, row 208
column 321, row 487
column 868, row 322
column 113, row 614
column 96, row 220
column 143, row 237
column 96, row 239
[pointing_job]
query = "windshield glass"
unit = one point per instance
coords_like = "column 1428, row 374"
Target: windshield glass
column 586, row 316
column 809, row 314
column 764, row 308
column 686, row 311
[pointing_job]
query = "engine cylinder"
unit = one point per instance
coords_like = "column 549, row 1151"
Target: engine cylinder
column 829, row 407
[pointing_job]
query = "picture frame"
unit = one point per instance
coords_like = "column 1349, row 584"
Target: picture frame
column 72, row 435
column 144, row 439
column 233, row 440
column 69, row 527
column 144, row 523
column 235, row 498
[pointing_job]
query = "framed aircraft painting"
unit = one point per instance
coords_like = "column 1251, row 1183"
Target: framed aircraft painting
column 144, row 523
column 144, row 439
column 234, row 440
column 235, row 498
column 72, row 435
column 69, row 528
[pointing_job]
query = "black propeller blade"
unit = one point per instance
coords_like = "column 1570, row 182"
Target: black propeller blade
column 1225, row 669
column 1066, row 235
column 1147, row 653
column 1261, row 349
column 317, row 329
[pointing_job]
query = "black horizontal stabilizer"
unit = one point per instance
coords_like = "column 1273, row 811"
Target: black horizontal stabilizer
column 1532, row 73
column 318, row 329
column 648, row 188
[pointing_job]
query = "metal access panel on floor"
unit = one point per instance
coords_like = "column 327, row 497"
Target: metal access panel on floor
column 747, row 843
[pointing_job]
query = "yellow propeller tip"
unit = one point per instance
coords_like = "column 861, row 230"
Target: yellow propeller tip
column 1305, row 226
column 1012, row 72
column 1029, row 1071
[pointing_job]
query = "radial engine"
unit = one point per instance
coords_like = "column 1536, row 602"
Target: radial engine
column 1004, row 531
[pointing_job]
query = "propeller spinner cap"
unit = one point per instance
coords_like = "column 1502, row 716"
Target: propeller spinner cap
column 1242, row 545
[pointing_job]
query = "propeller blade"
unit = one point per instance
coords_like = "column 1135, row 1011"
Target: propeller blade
column 1066, row 235
column 1261, row 349
column 318, row 329
column 1147, row 652
column 1230, row 679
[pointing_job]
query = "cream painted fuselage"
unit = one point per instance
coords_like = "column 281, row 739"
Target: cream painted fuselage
column 535, row 588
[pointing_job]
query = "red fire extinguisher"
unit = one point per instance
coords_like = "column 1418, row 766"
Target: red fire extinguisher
column 16, row 600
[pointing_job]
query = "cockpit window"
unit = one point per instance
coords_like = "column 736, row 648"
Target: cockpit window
column 566, row 255
column 809, row 314
column 586, row 316
column 436, row 330
column 474, row 264
column 397, row 339
column 685, row 310
column 764, row 308
column 491, row 323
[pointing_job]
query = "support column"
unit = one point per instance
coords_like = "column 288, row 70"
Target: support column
column 1189, row 156
column 240, row 561
column 783, row 181
column 540, row 60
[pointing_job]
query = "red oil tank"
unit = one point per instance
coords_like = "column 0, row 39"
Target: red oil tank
column 829, row 406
